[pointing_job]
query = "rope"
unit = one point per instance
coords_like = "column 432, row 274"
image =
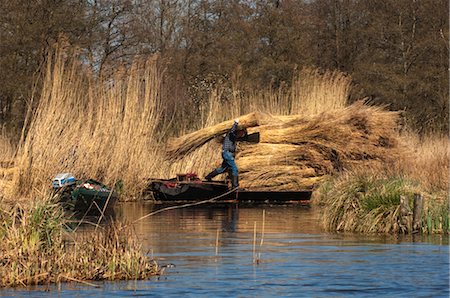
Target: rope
column 186, row 205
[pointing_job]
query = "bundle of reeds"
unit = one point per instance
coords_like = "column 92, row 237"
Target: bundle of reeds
column 297, row 152
column 178, row 147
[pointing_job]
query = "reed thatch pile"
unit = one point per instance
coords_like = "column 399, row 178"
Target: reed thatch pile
column 178, row 147
column 296, row 152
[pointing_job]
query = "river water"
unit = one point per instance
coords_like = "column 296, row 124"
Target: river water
column 216, row 253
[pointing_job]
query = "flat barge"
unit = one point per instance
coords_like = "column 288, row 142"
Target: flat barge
column 188, row 187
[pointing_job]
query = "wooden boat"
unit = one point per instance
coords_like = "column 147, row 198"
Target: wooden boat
column 88, row 196
column 188, row 187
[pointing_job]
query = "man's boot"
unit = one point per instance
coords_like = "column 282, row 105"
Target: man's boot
column 211, row 175
column 234, row 181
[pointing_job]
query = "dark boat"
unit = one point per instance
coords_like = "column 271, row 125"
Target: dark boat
column 188, row 187
column 93, row 197
column 85, row 196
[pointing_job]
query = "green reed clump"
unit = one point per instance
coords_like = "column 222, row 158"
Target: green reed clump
column 363, row 203
column 436, row 218
column 37, row 248
column 382, row 193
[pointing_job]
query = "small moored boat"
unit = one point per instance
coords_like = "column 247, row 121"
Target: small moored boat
column 84, row 196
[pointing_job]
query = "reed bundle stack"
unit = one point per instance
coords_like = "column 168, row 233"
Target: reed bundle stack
column 296, row 152
column 178, row 147
column 299, row 152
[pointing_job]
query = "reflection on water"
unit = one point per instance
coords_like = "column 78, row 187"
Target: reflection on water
column 205, row 221
column 213, row 249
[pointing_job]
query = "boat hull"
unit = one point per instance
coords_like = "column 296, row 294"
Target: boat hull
column 93, row 202
column 88, row 197
column 167, row 190
column 172, row 190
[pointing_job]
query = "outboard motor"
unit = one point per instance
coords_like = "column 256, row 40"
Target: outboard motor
column 63, row 184
column 62, row 180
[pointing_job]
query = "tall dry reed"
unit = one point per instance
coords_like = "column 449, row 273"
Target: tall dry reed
column 94, row 128
column 7, row 150
column 314, row 92
column 427, row 161
column 7, row 169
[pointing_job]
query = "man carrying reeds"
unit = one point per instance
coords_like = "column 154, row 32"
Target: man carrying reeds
column 228, row 151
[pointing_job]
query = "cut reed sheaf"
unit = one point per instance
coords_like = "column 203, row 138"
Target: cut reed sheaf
column 178, row 147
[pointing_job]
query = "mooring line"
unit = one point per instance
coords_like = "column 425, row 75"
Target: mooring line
column 186, row 205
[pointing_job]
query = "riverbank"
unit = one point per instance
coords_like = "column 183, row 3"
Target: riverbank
column 367, row 199
column 367, row 203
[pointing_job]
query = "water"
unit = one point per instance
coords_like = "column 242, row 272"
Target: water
column 214, row 250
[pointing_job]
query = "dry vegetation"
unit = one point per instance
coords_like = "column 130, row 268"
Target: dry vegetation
column 7, row 169
column 320, row 145
column 177, row 147
column 427, row 161
column 36, row 248
column 367, row 199
column 92, row 128
column 112, row 131
column 7, row 150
